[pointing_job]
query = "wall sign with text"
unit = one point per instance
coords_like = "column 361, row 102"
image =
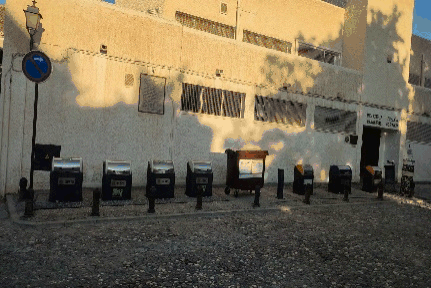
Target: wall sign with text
column 381, row 118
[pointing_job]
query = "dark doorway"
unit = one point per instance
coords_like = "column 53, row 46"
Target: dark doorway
column 370, row 148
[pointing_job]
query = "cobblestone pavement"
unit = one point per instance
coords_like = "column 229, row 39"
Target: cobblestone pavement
column 358, row 244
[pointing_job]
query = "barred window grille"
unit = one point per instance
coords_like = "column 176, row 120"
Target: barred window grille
column 414, row 79
column 334, row 120
column 207, row 100
column 339, row 3
column 205, row 25
column 279, row 111
column 319, row 54
column 418, row 132
column 267, row 42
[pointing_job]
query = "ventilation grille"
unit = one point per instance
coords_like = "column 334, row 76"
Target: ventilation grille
column 418, row 132
column 267, row 42
column 279, row 111
column 129, row 80
column 223, row 8
column 152, row 94
column 414, row 79
column 334, row 120
column 205, row 25
column 199, row 99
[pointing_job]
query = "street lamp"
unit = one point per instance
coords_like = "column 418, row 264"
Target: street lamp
column 32, row 17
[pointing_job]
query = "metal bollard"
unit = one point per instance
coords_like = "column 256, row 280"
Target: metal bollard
column 280, row 184
column 307, row 194
column 380, row 192
column 29, row 203
column 151, row 200
column 346, row 193
column 199, row 194
column 96, row 202
column 256, row 197
column 22, row 192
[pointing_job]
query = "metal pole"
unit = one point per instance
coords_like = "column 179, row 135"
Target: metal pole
column 280, row 184
column 33, row 139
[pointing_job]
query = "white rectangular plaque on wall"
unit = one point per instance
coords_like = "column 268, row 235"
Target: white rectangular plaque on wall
column 381, row 118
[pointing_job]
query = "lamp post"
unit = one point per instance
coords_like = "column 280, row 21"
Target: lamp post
column 33, row 17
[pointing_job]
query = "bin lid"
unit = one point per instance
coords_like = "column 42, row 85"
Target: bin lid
column 118, row 167
column 305, row 169
column 162, row 166
column 340, row 168
column 69, row 164
column 199, row 166
column 373, row 169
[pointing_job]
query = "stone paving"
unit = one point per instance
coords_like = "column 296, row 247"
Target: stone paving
column 284, row 243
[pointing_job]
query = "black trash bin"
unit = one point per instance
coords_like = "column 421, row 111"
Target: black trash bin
column 407, row 183
column 390, row 176
column 245, row 169
column 161, row 175
column 66, row 180
column 199, row 173
column 303, row 178
column 372, row 178
column 340, row 178
column 116, row 180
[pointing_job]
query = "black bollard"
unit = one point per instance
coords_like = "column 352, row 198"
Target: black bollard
column 380, row 191
column 256, row 197
column 22, row 192
column 280, row 184
column 346, row 193
column 29, row 212
column 308, row 189
column 199, row 194
column 151, row 200
column 96, row 202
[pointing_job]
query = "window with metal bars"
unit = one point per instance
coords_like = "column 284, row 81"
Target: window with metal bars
column 267, row 42
column 319, row 54
column 414, row 79
column 334, row 120
column 279, row 111
column 205, row 25
column 207, row 100
column 418, row 132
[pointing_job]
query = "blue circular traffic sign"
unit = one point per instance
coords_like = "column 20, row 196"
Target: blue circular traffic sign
column 36, row 66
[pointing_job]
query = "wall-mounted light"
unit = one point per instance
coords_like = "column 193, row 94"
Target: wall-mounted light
column 32, row 17
column 389, row 59
column 219, row 72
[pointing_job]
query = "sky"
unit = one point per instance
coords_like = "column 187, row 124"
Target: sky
column 421, row 18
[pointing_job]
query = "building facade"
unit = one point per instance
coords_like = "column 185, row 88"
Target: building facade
column 311, row 81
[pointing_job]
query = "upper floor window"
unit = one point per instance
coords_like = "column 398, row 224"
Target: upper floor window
column 205, row 25
column 267, row 42
column 109, row 1
column 319, row 54
column 339, row 3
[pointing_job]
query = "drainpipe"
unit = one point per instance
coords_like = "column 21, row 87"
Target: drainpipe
column 422, row 79
column 237, row 29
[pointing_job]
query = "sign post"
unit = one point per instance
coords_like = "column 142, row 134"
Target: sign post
column 37, row 68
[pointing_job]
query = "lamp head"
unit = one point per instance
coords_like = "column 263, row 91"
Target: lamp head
column 33, row 17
